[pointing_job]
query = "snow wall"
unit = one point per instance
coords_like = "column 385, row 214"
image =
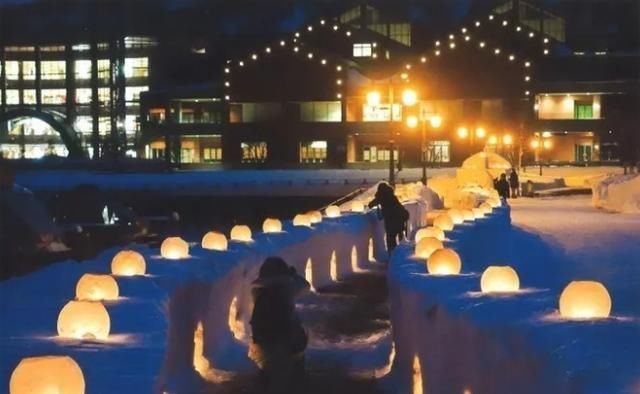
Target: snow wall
column 618, row 193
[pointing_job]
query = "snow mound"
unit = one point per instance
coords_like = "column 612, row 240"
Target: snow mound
column 618, row 193
column 492, row 162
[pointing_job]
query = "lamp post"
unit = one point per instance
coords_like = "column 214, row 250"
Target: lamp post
column 539, row 143
column 435, row 122
column 464, row 133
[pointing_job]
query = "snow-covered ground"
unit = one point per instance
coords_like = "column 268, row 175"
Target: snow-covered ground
column 620, row 193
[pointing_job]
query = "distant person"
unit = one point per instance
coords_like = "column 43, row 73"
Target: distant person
column 514, row 182
column 502, row 186
column 278, row 337
column 394, row 214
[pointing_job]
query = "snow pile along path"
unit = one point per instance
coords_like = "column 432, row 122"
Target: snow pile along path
column 620, row 193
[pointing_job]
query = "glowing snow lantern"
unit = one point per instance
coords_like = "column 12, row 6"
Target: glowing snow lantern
column 478, row 213
column 84, row 320
column 433, row 232
column 443, row 222
column 332, row 211
column 426, row 246
column 486, row 208
column 468, row 216
column 456, row 216
column 91, row 287
column 241, row 233
column 215, row 241
column 585, row 300
column 316, row 216
column 47, row 374
column 357, row 206
column 128, row 263
column 174, row 248
column 302, row 220
column 444, row 262
column 499, row 279
column 271, row 225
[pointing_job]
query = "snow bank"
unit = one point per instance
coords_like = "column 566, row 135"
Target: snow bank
column 619, row 193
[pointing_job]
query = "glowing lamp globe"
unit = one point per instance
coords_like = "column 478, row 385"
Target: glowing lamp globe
column 316, row 216
column 468, row 216
column 128, row 263
column 271, row 225
column 215, row 241
column 486, row 208
column 444, row 222
column 444, row 262
column 426, row 246
column 241, row 233
column 92, row 287
column 47, row 374
column 433, row 232
column 302, row 220
column 84, row 320
column 582, row 300
column 357, row 206
column 332, row 211
column 456, row 216
column 174, row 248
column 499, row 279
column 478, row 213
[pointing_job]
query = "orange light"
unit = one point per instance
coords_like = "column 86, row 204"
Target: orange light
column 547, row 144
column 409, row 97
column 507, row 139
column 463, row 132
column 535, row 144
column 412, row 122
column 493, row 140
column 373, row 98
column 480, row 132
column 436, row 121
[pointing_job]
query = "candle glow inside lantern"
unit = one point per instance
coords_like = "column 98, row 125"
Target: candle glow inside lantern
column 316, row 216
column 468, row 216
column 583, row 300
column 84, row 320
column 128, row 263
column 47, row 375
column 456, row 216
column 499, row 279
column 426, row 246
column 478, row 213
column 94, row 287
column 271, row 225
column 444, row 262
column 241, row 233
column 215, row 241
column 357, row 206
column 433, row 232
column 174, row 248
column 332, row 211
column 302, row 220
column 443, row 222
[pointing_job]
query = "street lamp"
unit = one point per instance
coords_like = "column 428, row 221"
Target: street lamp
column 463, row 132
column 436, row 121
column 541, row 141
column 480, row 132
column 412, row 122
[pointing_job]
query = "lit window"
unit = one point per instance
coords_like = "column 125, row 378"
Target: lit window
column 53, row 70
column 254, row 152
column 29, row 96
column 137, row 67
column 104, row 69
column 157, row 115
column 53, row 48
column 362, row 50
column 400, row 32
column 381, row 112
column 139, row 42
column 583, row 110
column 12, row 70
column 20, row 49
column 104, row 125
column 313, row 152
column 83, row 69
column 131, row 124
column 13, row 96
column 132, row 93
column 81, row 47
column 54, row 96
column 83, row 96
column 321, row 111
column 438, row 152
column 211, row 154
column 29, row 70
column 84, row 124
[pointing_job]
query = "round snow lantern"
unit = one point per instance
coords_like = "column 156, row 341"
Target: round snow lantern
column 128, row 263
column 443, row 222
column 215, row 241
column 47, row 374
column 271, row 225
column 426, row 246
column 93, row 287
column 174, row 248
column 478, row 213
column 468, row 216
column 585, row 300
column 486, row 208
column 241, row 233
column 84, row 320
column 357, row 206
column 433, row 232
column 499, row 279
column 302, row 220
column 332, row 211
column 456, row 216
column 316, row 216
column 444, row 262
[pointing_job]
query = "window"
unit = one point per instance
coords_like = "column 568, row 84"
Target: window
column 83, row 96
column 29, row 96
column 381, row 112
column 54, row 96
column 53, row 48
column 438, row 152
column 84, row 124
column 132, row 93
column 104, row 69
column 131, row 124
column 104, row 96
column 211, row 154
column 583, row 152
column 186, row 155
column 81, row 47
column 257, row 112
column 362, row 50
column 313, row 152
column 136, row 67
column 350, row 15
column 400, row 32
column 53, row 69
column 13, row 97
column 157, row 115
column 83, row 69
column 139, row 42
column 12, row 69
column 374, row 154
column 583, row 110
column 29, row 70
column 104, row 125
column 321, row 111
column 254, row 152
column 20, row 49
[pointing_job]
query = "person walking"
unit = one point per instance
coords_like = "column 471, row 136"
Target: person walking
column 514, row 182
column 502, row 186
column 394, row 214
column 278, row 337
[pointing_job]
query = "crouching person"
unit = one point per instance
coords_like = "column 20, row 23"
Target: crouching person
column 278, row 337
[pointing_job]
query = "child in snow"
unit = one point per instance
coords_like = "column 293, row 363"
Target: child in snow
column 394, row 214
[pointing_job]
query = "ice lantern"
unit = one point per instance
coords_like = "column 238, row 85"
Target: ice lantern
column 241, row 233
column 271, row 225
column 316, row 216
column 47, row 374
column 444, row 262
column 332, row 211
column 426, row 246
column 84, row 320
column 456, row 216
column 93, row 287
column 215, row 241
column 434, row 232
column 128, row 263
column 174, row 248
column 357, row 206
column 443, row 222
column 499, row 279
column 302, row 220
column 585, row 300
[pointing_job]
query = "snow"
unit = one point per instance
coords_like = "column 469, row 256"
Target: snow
column 620, row 193
column 487, row 161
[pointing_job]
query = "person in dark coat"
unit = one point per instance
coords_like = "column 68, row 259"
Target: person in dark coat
column 394, row 214
column 278, row 337
column 502, row 186
column 514, row 182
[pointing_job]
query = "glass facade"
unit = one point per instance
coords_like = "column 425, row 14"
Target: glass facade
column 321, row 111
column 52, row 70
column 254, row 152
column 313, row 152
